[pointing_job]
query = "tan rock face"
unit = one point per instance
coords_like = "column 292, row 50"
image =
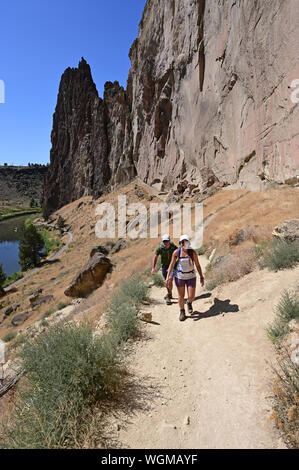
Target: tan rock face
column 208, row 96
column 221, row 99
column 90, row 277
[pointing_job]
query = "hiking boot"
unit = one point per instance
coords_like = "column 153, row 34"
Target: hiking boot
column 182, row 315
column 190, row 308
column 167, row 298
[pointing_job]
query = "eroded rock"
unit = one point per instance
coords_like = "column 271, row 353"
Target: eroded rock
column 90, row 277
column 288, row 230
column 20, row 318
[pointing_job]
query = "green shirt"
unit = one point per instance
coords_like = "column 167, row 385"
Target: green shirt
column 166, row 253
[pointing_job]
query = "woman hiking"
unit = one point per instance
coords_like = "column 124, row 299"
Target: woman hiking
column 165, row 250
column 182, row 262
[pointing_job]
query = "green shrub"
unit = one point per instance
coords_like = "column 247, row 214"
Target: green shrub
column 286, row 310
column 48, row 313
column 123, row 308
column 202, row 250
column 51, row 244
column 278, row 254
column 286, row 413
column 2, row 275
column 135, row 290
column 31, row 246
column 9, row 337
column 147, row 272
column 123, row 319
column 68, row 371
column 158, row 280
column 12, row 278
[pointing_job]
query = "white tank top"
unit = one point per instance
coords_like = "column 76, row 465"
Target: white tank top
column 185, row 268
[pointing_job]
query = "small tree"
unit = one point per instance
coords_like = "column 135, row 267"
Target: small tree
column 31, row 246
column 32, row 202
column 2, row 275
column 60, row 223
column 45, row 211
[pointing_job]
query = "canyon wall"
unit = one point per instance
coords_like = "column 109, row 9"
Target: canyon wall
column 208, row 98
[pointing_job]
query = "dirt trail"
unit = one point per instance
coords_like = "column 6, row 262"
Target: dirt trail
column 205, row 382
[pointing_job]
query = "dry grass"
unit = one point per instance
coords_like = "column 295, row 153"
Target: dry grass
column 262, row 210
column 233, row 210
column 286, row 401
column 233, row 267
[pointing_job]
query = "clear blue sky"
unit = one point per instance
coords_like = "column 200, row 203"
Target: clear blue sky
column 39, row 40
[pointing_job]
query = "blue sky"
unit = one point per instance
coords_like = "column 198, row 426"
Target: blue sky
column 39, row 40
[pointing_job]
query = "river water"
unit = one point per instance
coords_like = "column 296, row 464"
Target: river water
column 9, row 243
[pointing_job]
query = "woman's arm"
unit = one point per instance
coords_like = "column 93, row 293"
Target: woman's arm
column 172, row 263
column 196, row 261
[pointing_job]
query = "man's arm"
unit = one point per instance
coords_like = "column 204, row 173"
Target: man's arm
column 154, row 262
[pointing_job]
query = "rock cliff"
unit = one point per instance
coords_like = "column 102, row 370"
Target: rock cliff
column 208, row 96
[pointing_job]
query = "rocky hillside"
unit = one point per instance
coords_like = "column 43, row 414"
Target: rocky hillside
column 19, row 184
column 208, row 100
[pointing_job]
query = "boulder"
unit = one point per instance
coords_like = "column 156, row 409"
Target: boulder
column 120, row 245
column 8, row 311
column 41, row 300
column 91, row 276
column 35, row 295
column 288, row 230
column 19, row 319
column 99, row 249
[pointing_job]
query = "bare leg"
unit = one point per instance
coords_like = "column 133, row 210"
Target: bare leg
column 170, row 285
column 181, row 293
column 191, row 294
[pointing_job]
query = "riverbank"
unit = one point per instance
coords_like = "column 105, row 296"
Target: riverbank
column 11, row 212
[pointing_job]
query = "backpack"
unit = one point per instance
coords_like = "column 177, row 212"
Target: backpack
column 190, row 254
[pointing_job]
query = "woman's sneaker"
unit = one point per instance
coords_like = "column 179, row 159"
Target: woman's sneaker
column 167, row 298
column 182, row 315
column 190, row 308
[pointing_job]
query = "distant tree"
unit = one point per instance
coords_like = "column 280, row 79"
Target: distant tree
column 32, row 202
column 60, row 223
column 5, row 164
column 45, row 211
column 31, row 246
column 2, row 275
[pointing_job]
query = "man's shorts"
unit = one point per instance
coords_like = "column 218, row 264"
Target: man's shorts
column 165, row 271
column 185, row 282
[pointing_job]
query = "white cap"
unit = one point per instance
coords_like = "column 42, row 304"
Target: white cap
column 165, row 238
column 184, row 237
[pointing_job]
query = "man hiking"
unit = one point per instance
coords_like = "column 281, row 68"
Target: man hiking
column 165, row 250
column 183, row 270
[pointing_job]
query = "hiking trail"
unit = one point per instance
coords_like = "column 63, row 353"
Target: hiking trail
column 206, row 382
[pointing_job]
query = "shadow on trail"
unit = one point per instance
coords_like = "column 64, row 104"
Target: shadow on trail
column 203, row 296
column 220, row 306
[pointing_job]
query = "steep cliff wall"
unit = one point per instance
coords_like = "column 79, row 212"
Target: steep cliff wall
column 208, row 93
column 91, row 139
column 211, row 87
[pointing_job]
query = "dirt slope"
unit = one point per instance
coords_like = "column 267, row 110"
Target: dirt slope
column 205, row 383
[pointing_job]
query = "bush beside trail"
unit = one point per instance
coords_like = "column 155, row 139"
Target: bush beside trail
column 70, row 372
